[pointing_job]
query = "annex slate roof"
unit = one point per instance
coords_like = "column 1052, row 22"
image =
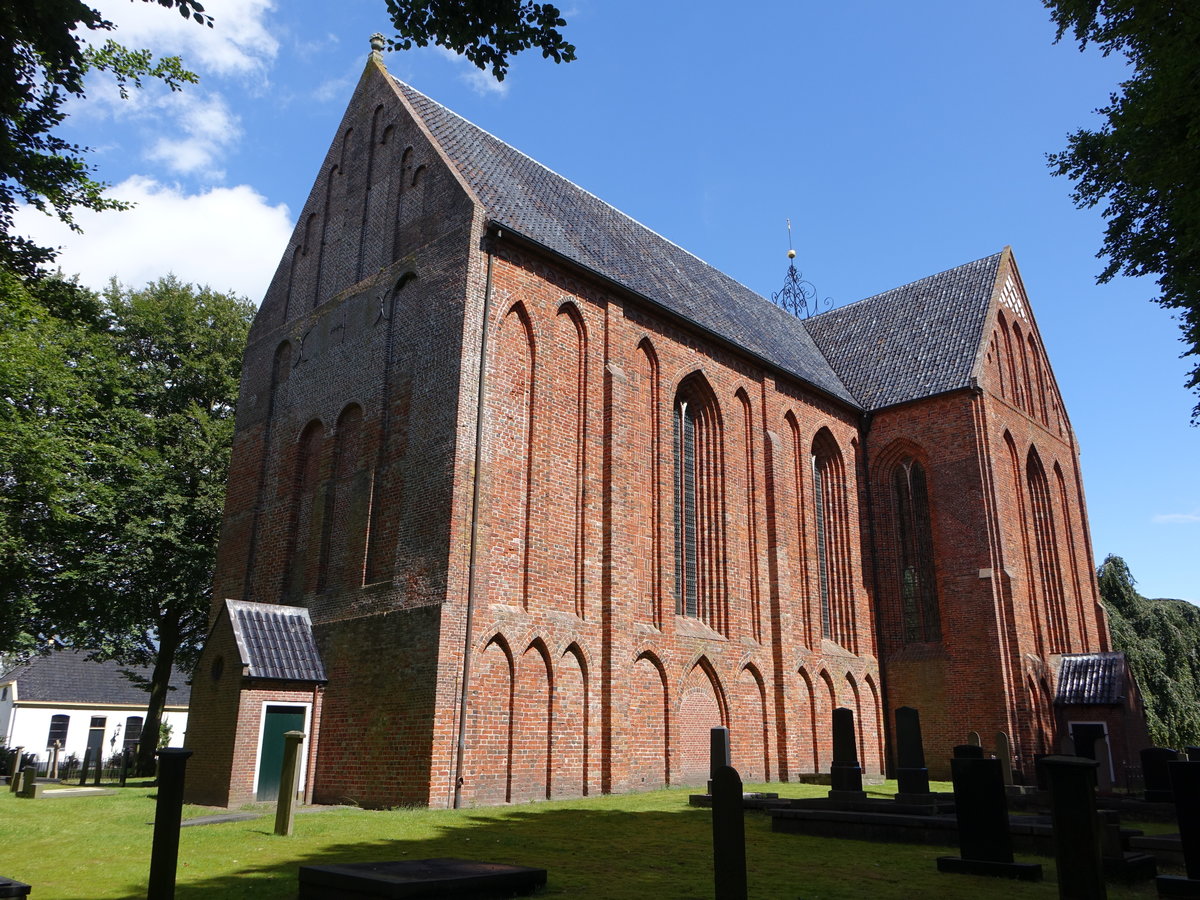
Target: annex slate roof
column 912, row 341
column 275, row 641
column 524, row 196
column 1091, row 678
column 68, row 676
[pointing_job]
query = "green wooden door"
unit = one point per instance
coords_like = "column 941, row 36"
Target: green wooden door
column 277, row 721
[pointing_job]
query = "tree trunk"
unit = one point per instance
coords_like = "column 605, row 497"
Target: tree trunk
column 160, row 680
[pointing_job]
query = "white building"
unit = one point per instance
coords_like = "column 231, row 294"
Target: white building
column 64, row 696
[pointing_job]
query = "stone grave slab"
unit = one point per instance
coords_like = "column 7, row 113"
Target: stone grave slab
column 76, row 792
column 416, row 878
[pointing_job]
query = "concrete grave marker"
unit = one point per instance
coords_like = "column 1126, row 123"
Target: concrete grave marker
column 912, row 776
column 1185, row 782
column 1077, row 831
column 984, row 839
column 289, row 782
column 1155, row 780
column 729, row 835
column 845, row 773
column 1004, row 754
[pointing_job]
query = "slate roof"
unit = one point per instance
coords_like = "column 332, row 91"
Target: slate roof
column 276, row 641
column 68, row 676
column 1086, row 679
column 524, row 196
column 912, row 341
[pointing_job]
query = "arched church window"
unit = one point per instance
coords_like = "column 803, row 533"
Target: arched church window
column 829, row 509
column 699, row 505
column 914, row 536
column 1048, row 562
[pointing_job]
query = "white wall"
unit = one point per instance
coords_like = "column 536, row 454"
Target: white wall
column 30, row 726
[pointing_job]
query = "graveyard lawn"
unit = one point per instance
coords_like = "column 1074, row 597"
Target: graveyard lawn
column 629, row 846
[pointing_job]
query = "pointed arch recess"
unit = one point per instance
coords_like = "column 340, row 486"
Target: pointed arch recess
column 650, row 724
column 510, row 402
column 647, row 498
column 750, row 734
column 749, row 589
column 490, row 728
column 344, row 536
column 572, row 723
column 702, row 707
column 810, row 761
column 306, row 514
column 832, row 540
column 533, row 710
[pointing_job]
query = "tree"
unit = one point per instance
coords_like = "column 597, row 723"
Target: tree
column 1161, row 641
column 43, row 59
column 116, row 553
column 1141, row 162
column 486, row 32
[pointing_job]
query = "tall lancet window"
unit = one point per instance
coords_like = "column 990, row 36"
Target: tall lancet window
column 699, row 506
column 914, row 536
column 830, row 518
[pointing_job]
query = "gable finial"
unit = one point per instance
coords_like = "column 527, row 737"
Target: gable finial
column 377, row 45
column 798, row 295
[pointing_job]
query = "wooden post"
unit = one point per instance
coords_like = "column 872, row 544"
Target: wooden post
column 164, row 853
column 289, row 782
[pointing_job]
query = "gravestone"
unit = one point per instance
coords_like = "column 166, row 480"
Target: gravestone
column 912, row 777
column 1185, row 782
column 1104, row 781
column 845, row 774
column 1192, row 753
column 29, row 785
column 1077, row 831
column 729, row 835
column 289, row 782
column 83, row 770
column 1155, row 780
column 168, row 810
column 984, row 839
column 11, row 888
column 1004, row 754
column 974, row 739
column 968, row 751
column 14, row 767
column 719, row 752
column 55, row 752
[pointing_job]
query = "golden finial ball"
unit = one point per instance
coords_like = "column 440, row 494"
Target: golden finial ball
column 791, row 254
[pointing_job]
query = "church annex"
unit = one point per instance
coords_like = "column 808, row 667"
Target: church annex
column 524, row 498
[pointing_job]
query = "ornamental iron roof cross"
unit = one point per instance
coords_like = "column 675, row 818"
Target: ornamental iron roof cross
column 798, row 295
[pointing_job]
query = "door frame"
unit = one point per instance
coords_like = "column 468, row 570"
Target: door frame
column 262, row 721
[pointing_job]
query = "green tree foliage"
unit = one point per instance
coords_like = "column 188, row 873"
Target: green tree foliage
column 113, row 488
column 1141, row 163
column 1161, row 640
column 44, row 55
column 486, row 32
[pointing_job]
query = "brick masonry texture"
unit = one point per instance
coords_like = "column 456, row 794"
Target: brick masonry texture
column 459, row 451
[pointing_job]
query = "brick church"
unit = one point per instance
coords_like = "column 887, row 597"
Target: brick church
column 524, row 498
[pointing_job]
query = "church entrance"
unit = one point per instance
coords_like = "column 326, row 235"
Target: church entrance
column 276, row 721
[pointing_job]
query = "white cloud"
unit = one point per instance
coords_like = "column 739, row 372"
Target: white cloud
column 238, row 43
column 205, row 126
column 1177, row 518
column 228, row 238
column 477, row 79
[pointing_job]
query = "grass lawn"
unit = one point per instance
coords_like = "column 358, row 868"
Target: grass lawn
column 630, row 846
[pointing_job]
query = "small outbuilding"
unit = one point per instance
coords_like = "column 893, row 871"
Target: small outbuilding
column 83, row 704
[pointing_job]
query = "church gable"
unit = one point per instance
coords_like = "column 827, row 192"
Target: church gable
column 1013, row 364
column 383, row 190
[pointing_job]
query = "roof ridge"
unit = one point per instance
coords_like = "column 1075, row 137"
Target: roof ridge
column 907, row 284
column 577, row 187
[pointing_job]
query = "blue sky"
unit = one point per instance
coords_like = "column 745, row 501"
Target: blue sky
column 900, row 139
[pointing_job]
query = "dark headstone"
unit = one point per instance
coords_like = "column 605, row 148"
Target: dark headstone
column 125, row 754
column 719, row 753
column 28, row 782
column 1156, row 782
column 14, row 768
column 289, row 782
column 984, row 839
column 845, row 774
column 968, row 751
column 1192, row 753
column 413, row 878
column 1039, row 771
column 168, row 810
column 1077, row 832
column 729, row 835
column 83, row 770
column 912, row 777
column 1185, row 782
column 1004, row 754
